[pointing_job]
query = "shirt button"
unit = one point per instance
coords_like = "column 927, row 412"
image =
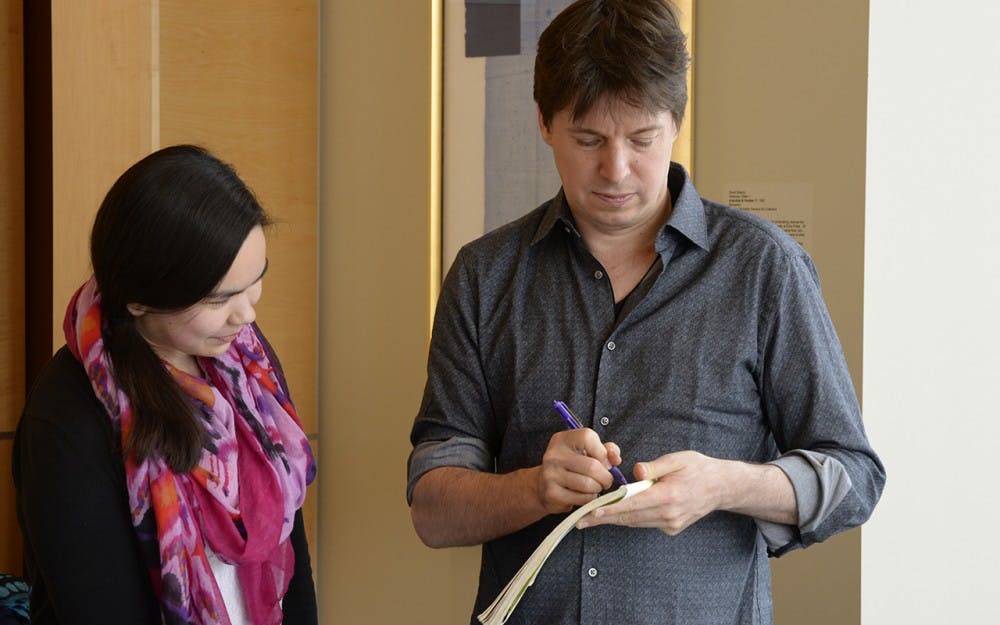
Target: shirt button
column 598, row 274
column 605, row 420
column 611, row 345
column 592, row 572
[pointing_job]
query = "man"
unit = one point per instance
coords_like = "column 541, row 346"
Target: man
column 692, row 335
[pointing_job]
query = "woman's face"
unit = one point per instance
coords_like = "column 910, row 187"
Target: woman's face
column 210, row 326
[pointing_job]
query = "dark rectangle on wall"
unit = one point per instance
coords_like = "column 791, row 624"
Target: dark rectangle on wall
column 492, row 27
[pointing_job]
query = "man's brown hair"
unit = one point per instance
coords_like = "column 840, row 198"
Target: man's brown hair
column 632, row 50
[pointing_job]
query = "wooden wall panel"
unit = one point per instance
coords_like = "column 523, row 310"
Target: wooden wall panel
column 11, row 216
column 102, row 122
column 12, row 263
column 241, row 79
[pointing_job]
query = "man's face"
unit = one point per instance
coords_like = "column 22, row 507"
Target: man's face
column 613, row 162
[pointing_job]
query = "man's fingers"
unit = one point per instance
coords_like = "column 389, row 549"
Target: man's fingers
column 589, row 443
column 557, row 496
column 614, row 454
column 655, row 469
column 584, row 475
column 587, row 454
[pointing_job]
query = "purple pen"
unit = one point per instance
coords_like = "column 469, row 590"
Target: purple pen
column 571, row 421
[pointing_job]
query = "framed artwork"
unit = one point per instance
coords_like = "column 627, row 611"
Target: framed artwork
column 495, row 166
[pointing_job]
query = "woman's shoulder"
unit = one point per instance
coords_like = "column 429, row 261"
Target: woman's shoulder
column 62, row 396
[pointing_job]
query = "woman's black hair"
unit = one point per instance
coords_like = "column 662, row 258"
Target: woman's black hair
column 165, row 235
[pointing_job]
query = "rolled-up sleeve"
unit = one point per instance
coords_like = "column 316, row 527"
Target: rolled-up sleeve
column 813, row 411
column 457, row 451
column 454, row 426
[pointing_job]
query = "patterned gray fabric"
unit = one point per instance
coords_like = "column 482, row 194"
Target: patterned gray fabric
column 726, row 348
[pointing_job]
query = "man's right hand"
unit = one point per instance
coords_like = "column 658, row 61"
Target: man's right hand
column 455, row 506
column 575, row 469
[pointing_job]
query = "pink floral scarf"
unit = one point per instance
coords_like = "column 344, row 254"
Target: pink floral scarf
column 241, row 498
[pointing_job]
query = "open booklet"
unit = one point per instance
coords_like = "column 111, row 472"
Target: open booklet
column 500, row 610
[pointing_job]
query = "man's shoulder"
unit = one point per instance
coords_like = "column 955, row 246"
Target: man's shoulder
column 503, row 244
column 738, row 231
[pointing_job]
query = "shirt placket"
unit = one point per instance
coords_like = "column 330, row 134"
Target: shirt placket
column 595, row 584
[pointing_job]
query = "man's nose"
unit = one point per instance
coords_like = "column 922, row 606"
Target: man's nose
column 614, row 161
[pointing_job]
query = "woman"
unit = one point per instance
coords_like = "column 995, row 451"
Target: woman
column 159, row 462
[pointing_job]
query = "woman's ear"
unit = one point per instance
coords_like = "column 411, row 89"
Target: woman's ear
column 136, row 310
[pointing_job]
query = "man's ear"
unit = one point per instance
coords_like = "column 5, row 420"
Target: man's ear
column 136, row 310
column 546, row 133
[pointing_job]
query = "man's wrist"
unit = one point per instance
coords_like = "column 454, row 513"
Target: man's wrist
column 531, row 478
column 736, row 479
column 758, row 490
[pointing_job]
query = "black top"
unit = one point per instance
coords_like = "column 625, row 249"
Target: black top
column 81, row 552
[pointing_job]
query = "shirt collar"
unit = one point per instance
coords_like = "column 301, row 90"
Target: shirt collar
column 688, row 214
column 687, row 217
column 557, row 213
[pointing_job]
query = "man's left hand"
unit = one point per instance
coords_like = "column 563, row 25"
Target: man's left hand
column 688, row 486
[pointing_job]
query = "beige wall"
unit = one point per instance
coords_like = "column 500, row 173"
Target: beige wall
column 376, row 190
column 780, row 97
